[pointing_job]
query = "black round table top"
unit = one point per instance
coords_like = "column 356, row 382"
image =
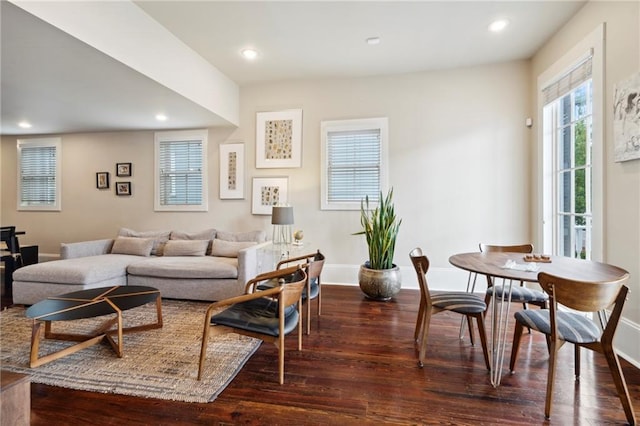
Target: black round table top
column 91, row 303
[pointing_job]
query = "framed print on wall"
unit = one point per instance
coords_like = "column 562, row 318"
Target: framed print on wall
column 626, row 119
column 102, row 180
column 267, row 192
column 279, row 139
column 123, row 188
column 232, row 171
column 123, row 169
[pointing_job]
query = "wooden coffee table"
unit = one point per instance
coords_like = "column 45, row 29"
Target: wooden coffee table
column 90, row 304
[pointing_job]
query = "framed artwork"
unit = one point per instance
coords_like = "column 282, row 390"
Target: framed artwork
column 279, row 139
column 232, row 171
column 626, row 119
column 102, row 180
column 267, row 192
column 123, row 169
column 123, row 188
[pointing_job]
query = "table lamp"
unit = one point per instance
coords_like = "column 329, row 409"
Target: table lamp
column 282, row 219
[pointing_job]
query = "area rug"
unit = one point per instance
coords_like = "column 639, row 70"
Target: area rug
column 161, row 363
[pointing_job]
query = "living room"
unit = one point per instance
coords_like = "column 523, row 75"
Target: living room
column 463, row 164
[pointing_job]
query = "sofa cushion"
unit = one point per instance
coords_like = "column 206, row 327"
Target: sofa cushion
column 255, row 236
column 224, row 248
column 81, row 270
column 207, row 234
column 159, row 238
column 186, row 247
column 132, row 246
column 185, row 267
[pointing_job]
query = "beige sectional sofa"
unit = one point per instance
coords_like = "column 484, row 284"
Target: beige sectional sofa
column 207, row 265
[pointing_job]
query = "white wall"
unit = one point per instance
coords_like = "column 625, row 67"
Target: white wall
column 458, row 162
column 622, row 180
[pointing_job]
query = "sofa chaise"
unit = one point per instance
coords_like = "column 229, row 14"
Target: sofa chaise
column 209, row 265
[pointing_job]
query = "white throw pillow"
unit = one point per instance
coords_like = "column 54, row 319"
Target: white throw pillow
column 186, row 247
column 132, row 245
column 159, row 238
column 224, row 248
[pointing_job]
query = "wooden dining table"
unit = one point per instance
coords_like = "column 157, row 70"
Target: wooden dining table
column 494, row 265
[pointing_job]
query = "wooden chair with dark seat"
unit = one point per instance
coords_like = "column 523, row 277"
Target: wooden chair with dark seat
column 10, row 255
column 268, row 315
column 313, row 264
column 562, row 326
column 467, row 304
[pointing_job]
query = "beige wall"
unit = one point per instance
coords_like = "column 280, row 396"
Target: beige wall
column 621, row 180
column 458, row 162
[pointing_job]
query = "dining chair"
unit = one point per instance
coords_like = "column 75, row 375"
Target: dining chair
column 268, row 315
column 467, row 304
column 561, row 325
column 313, row 264
column 519, row 293
column 10, row 255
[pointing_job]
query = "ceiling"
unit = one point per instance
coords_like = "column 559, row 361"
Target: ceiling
column 62, row 85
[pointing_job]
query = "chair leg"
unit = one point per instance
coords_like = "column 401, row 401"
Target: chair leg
column 319, row 298
column 471, row 336
column 308, row 315
column 419, row 321
column 517, row 335
column 487, row 301
column 205, row 341
column 280, row 345
column 619, row 381
column 483, row 338
column 550, row 378
column 423, row 338
column 576, row 361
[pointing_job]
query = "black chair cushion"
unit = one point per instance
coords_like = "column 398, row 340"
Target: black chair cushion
column 519, row 294
column 460, row 302
column 314, row 289
column 572, row 327
column 258, row 315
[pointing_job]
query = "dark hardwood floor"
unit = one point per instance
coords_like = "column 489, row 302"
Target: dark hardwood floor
column 359, row 367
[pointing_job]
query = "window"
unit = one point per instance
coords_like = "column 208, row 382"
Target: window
column 180, row 166
column 354, row 162
column 571, row 105
column 39, row 174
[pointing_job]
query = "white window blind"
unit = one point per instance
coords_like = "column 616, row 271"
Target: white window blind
column 39, row 181
column 181, row 174
column 354, row 162
column 354, row 165
column 569, row 81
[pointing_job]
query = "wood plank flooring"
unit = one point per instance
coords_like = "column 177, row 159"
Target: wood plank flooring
column 358, row 367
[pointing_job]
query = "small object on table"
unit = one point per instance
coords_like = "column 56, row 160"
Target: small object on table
column 297, row 237
column 542, row 258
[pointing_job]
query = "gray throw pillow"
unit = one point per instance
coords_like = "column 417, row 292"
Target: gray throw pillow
column 132, row 245
column 186, row 247
column 207, row 234
column 224, row 248
column 159, row 238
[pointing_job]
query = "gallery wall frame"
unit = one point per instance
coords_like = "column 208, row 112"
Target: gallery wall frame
column 267, row 192
column 626, row 119
column 123, row 188
column 102, row 180
column 232, row 171
column 123, row 169
column 279, row 139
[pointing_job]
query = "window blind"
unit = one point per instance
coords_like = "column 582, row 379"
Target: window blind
column 565, row 84
column 353, row 169
column 180, row 165
column 38, row 175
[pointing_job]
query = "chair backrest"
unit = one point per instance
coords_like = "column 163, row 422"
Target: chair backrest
column 8, row 237
column 293, row 279
column 421, row 265
column 518, row 248
column 316, row 263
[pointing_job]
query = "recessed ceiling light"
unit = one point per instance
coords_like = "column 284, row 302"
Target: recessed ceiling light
column 249, row 54
column 161, row 117
column 24, row 124
column 498, row 25
column 372, row 41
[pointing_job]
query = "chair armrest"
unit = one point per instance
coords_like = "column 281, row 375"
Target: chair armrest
column 306, row 257
column 85, row 248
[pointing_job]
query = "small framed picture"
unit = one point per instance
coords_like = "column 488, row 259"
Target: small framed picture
column 267, row 192
column 102, row 180
column 232, row 171
column 123, row 169
column 123, row 188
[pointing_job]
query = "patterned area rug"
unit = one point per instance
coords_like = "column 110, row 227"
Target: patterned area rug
column 161, row 363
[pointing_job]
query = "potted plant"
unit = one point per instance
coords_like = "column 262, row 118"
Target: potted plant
column 379, row 277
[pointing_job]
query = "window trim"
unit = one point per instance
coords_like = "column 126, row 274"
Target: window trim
column 378, row 123
column 178, row 136
column 592, row 44
column 55, row 142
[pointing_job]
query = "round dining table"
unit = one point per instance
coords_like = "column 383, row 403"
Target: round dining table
column 510, row 267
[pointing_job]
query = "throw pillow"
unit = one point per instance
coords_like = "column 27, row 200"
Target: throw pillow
column 186, row 247
column 254, row 236
column 207, row 234
column 132, row 245
column 159, row 238
column 224, row 248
